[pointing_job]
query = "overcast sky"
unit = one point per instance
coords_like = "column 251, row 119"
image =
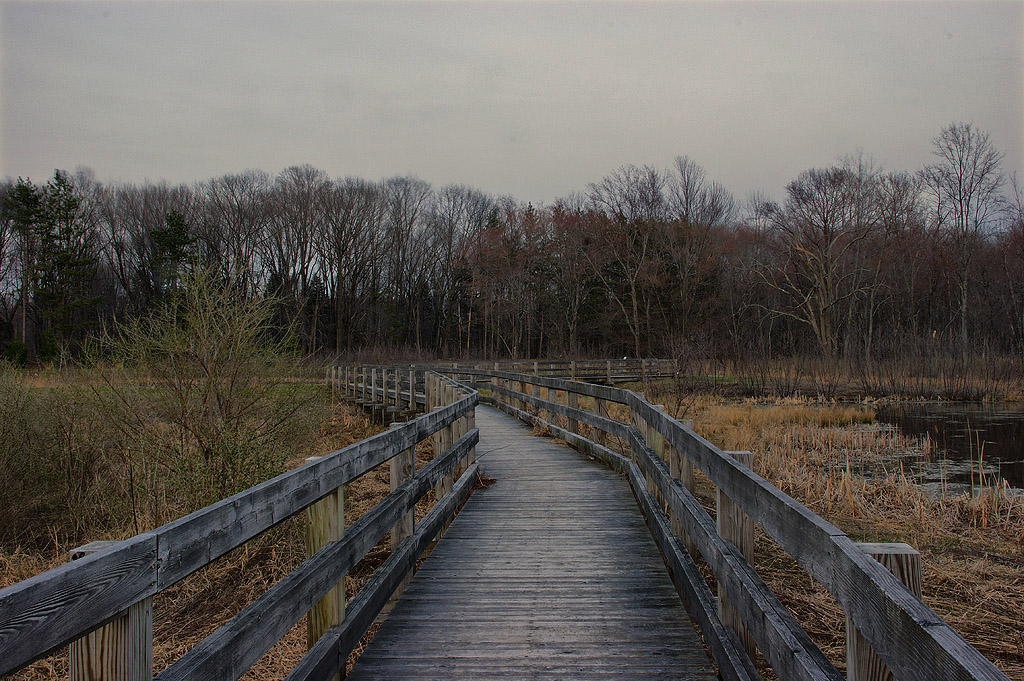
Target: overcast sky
column 533, row 99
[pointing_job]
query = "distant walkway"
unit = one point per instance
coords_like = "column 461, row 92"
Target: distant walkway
column 549, row 573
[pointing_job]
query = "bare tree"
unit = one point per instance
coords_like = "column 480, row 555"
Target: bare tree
column 814, row 235
column 288, row 249
column 457, row 213
column 630, row 207
column 347, row 246
column 408, row 201
column 235, row 222
column 964, row 184
column 697, row 207
column 1013, row 260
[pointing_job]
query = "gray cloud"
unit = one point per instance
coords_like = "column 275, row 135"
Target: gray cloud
column 532, row 99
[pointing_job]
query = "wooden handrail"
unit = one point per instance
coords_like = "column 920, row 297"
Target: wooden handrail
column 915, row 643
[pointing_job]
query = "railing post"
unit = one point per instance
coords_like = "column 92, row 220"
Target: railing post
column 737, row 527
column 412, row 390
column 656, row 441
column 608, row 367
column 325, row 523
column 572, row 370
column 542, row 413
column 572, row 400
column 862, row 663
column 470, row 425
column 122, row 649
column 681, row 469
column 441, row 442
column 403, row 465
column 601, row 409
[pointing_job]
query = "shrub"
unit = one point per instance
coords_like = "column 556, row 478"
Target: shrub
column 16, row 352
column 203, row 396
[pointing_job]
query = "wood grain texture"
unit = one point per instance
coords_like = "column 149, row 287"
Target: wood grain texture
column 120, row 650
column 325, row 523
column 50, row 610
column 547, row 572
column 862, row 664
column 735, row 526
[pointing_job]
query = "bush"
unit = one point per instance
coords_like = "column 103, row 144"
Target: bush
column 202, row 395
column 16, row 353
column 58, row 482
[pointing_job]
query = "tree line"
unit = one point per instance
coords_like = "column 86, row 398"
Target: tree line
column 855, row 262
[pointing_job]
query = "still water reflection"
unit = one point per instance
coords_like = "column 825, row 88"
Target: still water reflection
column 960, row 431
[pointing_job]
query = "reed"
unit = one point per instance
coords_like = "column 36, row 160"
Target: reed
column 861, row 478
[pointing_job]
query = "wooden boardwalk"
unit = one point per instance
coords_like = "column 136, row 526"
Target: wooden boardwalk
column 549, row 573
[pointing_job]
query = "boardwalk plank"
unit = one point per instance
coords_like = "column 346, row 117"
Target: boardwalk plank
column 549, row 573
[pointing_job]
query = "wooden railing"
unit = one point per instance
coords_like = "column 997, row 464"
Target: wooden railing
column 605, row 371
column 102, row 602
column 660, row 455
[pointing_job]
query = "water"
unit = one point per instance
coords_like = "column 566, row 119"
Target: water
column 960, row 431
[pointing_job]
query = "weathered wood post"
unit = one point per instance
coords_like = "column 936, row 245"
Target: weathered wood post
column 325, row 523
column 656, row 441
column 572, row 370
column 681, row 469
column 737, row 527
column 546, row 396
column 122, row 649
column 403, row 465
column 862, row 664
column 442, row 441
column 608, row 367
column 470, row 425
column 572, row 400
column 637, row 422
column 601, row 409
column 412, row 389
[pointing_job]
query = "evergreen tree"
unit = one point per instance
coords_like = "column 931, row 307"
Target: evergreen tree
column 23, row 206
column 64, row 268
column 173, row 248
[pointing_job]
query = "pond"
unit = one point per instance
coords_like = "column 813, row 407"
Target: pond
column 960, row 432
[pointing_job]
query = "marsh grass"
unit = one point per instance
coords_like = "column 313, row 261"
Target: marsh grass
column 826, row 457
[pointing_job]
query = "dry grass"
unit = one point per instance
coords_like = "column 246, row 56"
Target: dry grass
column 972, row 545
column 195, row 607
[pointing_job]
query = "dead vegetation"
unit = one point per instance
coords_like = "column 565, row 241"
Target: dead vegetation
column 972, row 545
